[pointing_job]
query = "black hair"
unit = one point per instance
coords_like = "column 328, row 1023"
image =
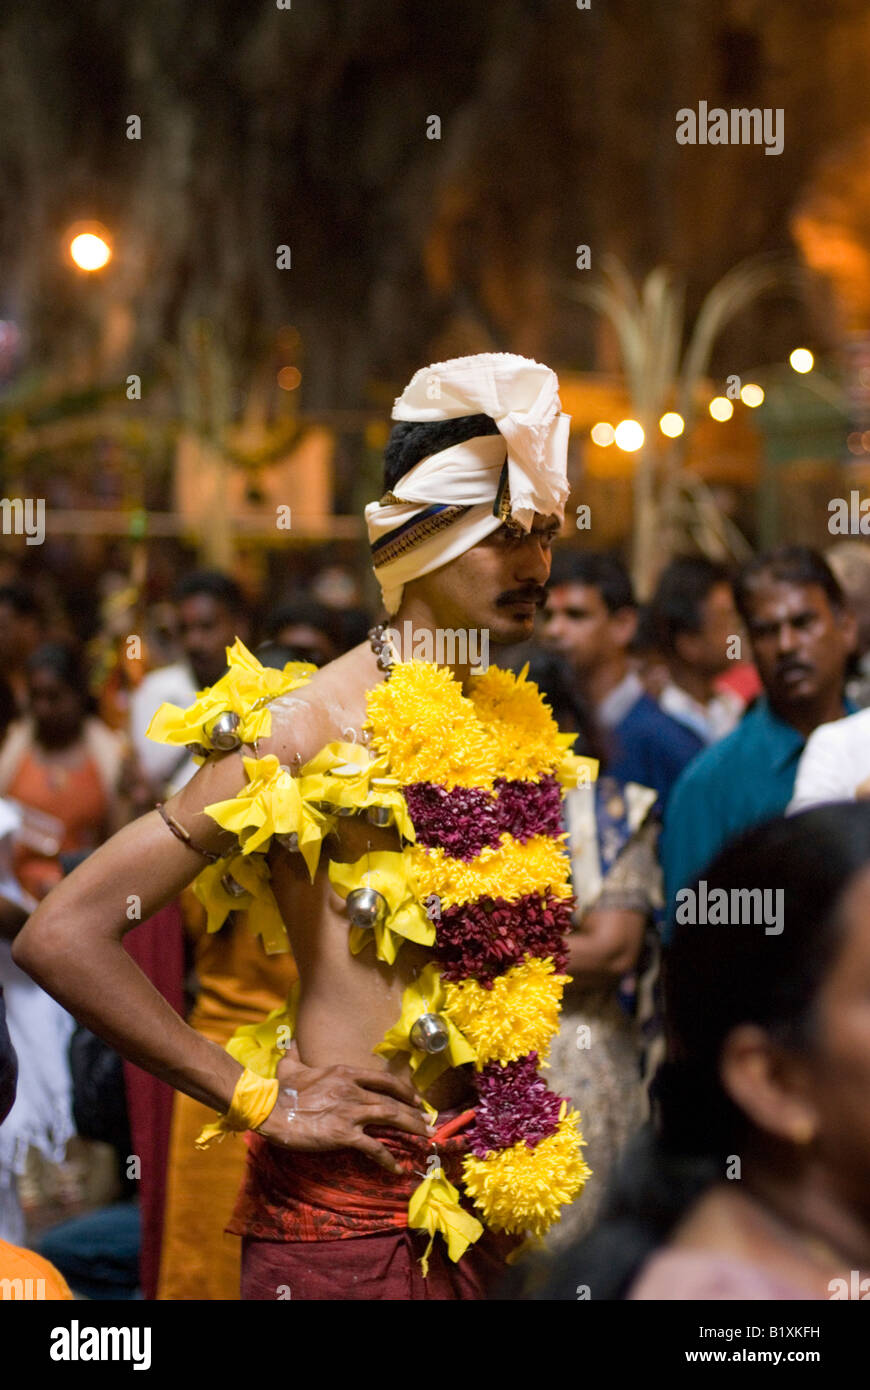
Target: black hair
column 596, row 570
column 22, row 599
column 8, row 1064
column 303, row 612
column 788, row 564
column 65, row 661
column 646, row 638
column 411, row 441
column 275, row 655
column 676, row 606
column 355, row 625
column 8, row 707
column 717, row 977
column 214, row 585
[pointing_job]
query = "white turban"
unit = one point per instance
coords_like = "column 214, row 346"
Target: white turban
column 452, row 500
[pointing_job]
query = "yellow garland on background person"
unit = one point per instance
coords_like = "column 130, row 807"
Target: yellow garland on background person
column 509, row 870
column 243, row 690
column 518, row 1015
column 388, row 873
column 523, row 1189
column 425, row 995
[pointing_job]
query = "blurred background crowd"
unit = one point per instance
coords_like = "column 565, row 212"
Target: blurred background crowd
column 700, row 705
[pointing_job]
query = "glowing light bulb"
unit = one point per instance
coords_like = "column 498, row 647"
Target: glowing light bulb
column 672, row 424
column 751, row 395
column 802, row 360
column 721, row 408
column 89, row 251
column 629, row 436
column 289, row 378
column 602, row 434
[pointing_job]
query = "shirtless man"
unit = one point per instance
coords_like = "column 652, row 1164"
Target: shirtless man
column 492, row 578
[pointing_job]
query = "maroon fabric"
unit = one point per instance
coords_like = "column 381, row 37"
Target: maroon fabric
column 157, row 946
column 384, row 1266
column 291, row 1195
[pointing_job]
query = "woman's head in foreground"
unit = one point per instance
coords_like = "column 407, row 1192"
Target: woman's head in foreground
column 768, row 1005
column 767, row 1014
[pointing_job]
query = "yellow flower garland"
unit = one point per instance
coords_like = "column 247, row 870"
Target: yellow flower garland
column 518, row 1015
column 522, row 1189
column 509, row 871
column 432, row 733
column 424, row 729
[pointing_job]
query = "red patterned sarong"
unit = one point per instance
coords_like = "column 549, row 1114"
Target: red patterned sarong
column 334, row 1225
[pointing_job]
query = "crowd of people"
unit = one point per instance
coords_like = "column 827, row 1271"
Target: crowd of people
column 719, row 1064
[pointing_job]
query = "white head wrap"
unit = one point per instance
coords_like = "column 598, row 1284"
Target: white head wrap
column 452, row 500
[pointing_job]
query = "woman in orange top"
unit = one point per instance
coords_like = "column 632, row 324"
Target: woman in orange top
column 61, row 766
column 59, row 769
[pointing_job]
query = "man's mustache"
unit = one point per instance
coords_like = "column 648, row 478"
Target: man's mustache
column 783, row 668
column 536, row 595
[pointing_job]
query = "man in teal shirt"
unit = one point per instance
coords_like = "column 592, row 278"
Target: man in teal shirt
column 802, row 634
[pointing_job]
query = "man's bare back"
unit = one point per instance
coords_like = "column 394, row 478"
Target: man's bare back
column 347, row 1002
column 72, row 945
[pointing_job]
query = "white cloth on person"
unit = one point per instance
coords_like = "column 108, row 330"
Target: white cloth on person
column 453, row 499
column 40, row 1031
column 834, row 763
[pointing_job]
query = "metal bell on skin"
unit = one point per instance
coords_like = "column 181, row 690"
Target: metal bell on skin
column 366, row 906
column 429, row 1033
column 289, row 842
column 223, row 731
column 231, row 886
column 379, row 815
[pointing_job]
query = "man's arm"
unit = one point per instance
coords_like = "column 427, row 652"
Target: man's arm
column 607, row 943
column 72, row 945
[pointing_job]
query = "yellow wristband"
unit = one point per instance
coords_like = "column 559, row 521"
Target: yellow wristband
column 253, row 1100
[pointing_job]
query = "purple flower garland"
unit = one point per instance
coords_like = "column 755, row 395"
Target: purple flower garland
column 514, row 1106
column 466, row 820
column 483, row 939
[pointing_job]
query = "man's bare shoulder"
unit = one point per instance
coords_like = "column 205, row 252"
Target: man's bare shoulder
column 330, row 706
